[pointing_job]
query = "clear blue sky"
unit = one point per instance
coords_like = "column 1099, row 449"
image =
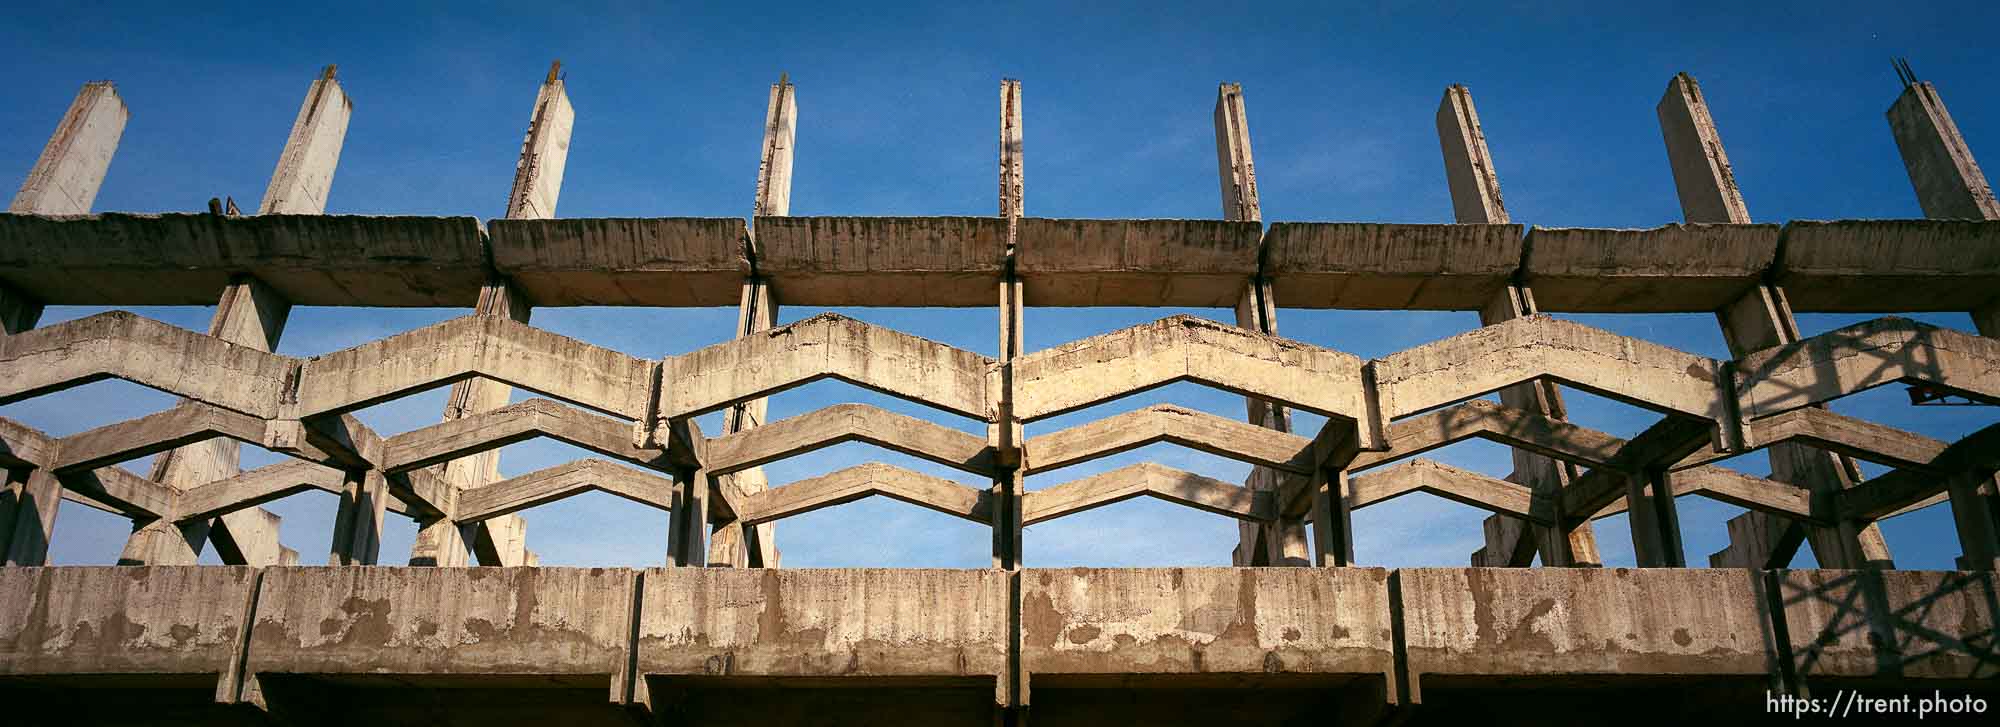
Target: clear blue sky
column 898, row 116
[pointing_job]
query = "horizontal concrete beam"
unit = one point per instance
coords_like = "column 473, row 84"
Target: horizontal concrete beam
column 1669, row 269
column 673, row 261
column 1931, row 265
column 1389, row 267
column 1890, row 624
column 159, row 620
column 882, row 261
column 182, row 259
column 1177, row 263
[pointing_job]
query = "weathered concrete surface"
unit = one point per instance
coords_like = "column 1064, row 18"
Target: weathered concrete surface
column 1468, row 166
column 1702, row 175
column 1451, row 483
column 304, row 175
column 1930, row 265
column 1234, row 163
column 1389, row 267
column 1149, row 479
column 155, row 621
column 511, row 495
column 882, row 261
column 66, row 177
column 1668, row 269
column 544, row 153
column 860, row 481
column 1461, row 623
column 847, row 623
column 1863, row 356
column 1180, row 263
column 1891, row 625
column 824, row 346
column 554, row 623
column 121, row 345
column 1946, row 177
column 1185, row 348
column 1204, row 622
column 672, row 261
column 1168, row 423
column 183, row 259
column 841, row 423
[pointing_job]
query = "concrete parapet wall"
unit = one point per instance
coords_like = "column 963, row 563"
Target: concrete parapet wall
column 162, row 620
column 1889, row 625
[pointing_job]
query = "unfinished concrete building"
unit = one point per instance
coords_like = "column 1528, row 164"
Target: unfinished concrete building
column 1299, row 630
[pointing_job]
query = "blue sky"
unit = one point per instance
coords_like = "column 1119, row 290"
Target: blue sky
column 898, row 116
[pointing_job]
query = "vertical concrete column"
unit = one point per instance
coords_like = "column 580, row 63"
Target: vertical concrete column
column 30, row 501
column 67, row 175
column 305, row 169
column 1004, row 433
column 1973, row 510
column 1476, row 199
column 757, row 310
column 1947, row 179
column 687, row 543
column 1283, row 542
column 544, row 152
column 18, row 312
column 357, row 527
column 1332, row 519
column 1760, row 319
column 253, row 315
column 1656, row 524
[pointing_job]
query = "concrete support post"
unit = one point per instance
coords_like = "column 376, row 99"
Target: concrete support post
column 757, row 310
column 444, row 542
column 1947, row 179
column 1656, row 524
column 544, row 152
column 1476, row 199
column 1760, row 319
column 18, row 312
column 305, row 169
column 357, row 526
column 1975, row 508
column 1004, row 433
column 31, row 499
column 1283, row 542
column 249, row 314
column 67, row 176
column 1332, row 520
column 687, row 544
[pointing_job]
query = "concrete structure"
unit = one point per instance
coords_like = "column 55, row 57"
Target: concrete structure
column 1298, row 629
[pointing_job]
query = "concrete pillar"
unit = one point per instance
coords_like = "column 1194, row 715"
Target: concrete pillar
column 66, row 177
column 1975, row 508
column 18, row 312
column 1947, row 179
column 305, row 169
column 443, row 542
column 1702, row 175
column 1475, row 199
column 1004, row 433
column 357, row 527
column 757, row 310
column 1332, row 520
column 1761, row 319
column 1283, row 542
column 687, row 544
column 1656, row 524
column 31, row 499
column 250, row 314
column 544, row 151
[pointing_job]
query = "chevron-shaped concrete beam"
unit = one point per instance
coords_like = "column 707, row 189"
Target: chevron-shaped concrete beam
column 143, row 351
column 862, row 481
column 1185, row 348
column 110, row 489
column 1863, row 356
column 187, row 423
column 1451, row 483
column 527, row 420
column 490, row 346
column 255, row 487
column 1899, row 491
column 1662, row 445
column 1215, row 435
column 825, row 346
column 833, row 425
column 561, row 481
column 1733, row 487
column 1149, row 479
column 1494, row 357
column 24, row 446
column 1826, row 430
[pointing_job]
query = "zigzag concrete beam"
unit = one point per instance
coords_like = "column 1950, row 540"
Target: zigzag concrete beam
column 1451, row 483
column 490, row 346
column 24, row 446
column 110, row 489
column 1746, row 491
column 564, row 480
column 471, row 435
column 1903, row 490
column 1500, row 355
column 1185, row 348
column 1215, row 435
column 1863, row 356
column 1662, row 445
column 1146, row 478
column 121, row 345
column 341, row 442
column 854, row 483
column 825, row 346
column 254, row 488
column 1826, row 430
column 833, row 425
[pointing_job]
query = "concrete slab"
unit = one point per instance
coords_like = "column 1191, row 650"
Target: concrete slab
column 1179, row 263
column 1890, row 626
column 183, row 259
column 1389, row 267
column 1081, row 625
column 1469, row 626
column 1930, row 265
column 1667, row 269
column 139, row 620
column 563, row 625
column 883, row 261
column 671, row 261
